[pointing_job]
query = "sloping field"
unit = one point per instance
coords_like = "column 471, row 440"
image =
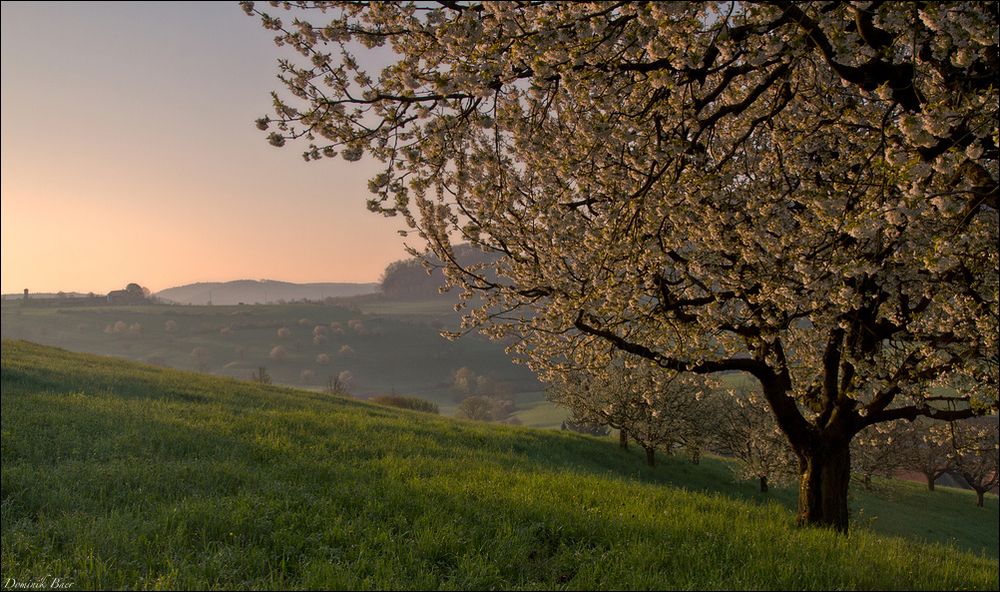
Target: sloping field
column 122, row 475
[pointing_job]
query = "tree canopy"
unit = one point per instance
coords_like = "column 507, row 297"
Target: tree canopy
column 805, row 192
column 421, row 277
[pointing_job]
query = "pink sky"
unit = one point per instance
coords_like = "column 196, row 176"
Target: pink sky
column 129, row 154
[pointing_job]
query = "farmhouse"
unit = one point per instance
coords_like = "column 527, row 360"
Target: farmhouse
column 132, row 294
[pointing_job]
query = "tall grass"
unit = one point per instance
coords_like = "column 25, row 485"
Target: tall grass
column 119, row 475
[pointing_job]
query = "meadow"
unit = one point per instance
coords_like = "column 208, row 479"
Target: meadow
column 125, row 475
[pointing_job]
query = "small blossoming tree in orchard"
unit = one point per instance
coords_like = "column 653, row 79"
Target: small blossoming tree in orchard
column 978, row 455
column 748, row 432
column 659, row 411
column 879, row 450
column 804, row 192
column 927, row 447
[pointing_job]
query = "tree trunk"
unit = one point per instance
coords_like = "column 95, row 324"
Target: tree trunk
column 979, row 498
column 651, row 457
column 623, row 439
column 867, row 481
column 930, row 481
column 763, row 484
column 825, row 473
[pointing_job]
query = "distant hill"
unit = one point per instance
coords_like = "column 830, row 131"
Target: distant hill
column 260, row 292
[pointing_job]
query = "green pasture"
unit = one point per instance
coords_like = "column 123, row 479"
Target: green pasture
column 121, row 475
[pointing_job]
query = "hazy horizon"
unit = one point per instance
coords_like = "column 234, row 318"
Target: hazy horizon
column 223, row 281
column 130, row 155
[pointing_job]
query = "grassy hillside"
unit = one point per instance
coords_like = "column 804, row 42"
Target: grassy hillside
column 121, row 475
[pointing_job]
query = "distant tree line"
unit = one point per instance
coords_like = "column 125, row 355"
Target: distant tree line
column 421, row 277
column 133, row 293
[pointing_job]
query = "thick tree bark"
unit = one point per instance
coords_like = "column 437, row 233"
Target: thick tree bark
column 979, row 498
column 623, row 439
column 651, row 457
column 930, row 481
column 825, row 473
column 824, row 454
column 763, row 484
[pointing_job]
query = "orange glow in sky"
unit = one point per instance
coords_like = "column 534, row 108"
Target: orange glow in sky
column 129, row 154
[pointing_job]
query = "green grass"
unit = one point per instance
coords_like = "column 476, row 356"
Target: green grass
column 121, row 475
column 944, row 514
column 536, row 412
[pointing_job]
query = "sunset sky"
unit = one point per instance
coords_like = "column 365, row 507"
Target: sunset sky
column 129, row 154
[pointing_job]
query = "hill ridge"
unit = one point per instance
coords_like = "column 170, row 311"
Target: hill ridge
column 250, row 291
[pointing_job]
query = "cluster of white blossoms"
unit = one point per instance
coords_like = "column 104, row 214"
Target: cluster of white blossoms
column 803, row 191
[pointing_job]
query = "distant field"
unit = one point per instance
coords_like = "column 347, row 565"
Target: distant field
column 536, row 412
column 386, row 346
column 120, row 475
